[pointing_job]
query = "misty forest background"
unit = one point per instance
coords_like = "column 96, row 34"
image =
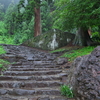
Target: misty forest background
column 17, row 18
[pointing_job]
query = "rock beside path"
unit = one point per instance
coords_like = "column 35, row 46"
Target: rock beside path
column 84, row 76
column 61, row 60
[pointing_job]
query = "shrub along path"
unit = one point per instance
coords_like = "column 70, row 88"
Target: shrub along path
column 34, row 75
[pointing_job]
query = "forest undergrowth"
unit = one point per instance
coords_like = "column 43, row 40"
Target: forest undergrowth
column 3, row 64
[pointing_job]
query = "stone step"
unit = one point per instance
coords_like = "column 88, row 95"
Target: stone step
column 39, row 97
column 36, row 78
column 33, row 63
column 32, row 69
column 26, row 73
column 17, row 64
column 38, row 63
column 29, row 84
column 42, row 59
column 34, row 92
column 35, row 66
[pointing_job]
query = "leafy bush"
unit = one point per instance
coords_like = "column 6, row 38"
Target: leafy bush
column 3, row 31
column 25, row 33
column 6, row 40
column 3, row 65
column 96, row 36
column 2, row 51
column 67, row 91
column 17, row 38
column 20, row 38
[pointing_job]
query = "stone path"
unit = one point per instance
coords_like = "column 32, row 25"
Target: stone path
column 34, row 75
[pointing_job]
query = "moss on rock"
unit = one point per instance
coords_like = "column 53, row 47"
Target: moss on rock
column 50, row 40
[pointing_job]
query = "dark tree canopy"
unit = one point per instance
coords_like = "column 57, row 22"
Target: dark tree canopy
column 72, row 14
column 76, row 13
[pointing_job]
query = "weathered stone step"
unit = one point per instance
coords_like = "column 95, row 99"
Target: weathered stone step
column 17, row 64
column 32, row 69
column 35, row 66
column 34, row 92
column 33, row 63
column 39, row 97
column 42, row 59
column 36, row 78
column 38, row 62
column 29, row 84
column 26, row 73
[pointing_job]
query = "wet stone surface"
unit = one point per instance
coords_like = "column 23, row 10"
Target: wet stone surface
column 34, row 75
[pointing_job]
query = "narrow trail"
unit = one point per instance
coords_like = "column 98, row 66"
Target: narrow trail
column 34, row 76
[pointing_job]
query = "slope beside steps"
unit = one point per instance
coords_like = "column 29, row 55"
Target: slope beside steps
column 33, row 76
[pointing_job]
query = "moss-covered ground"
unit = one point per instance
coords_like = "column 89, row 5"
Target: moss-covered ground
column 74, row 51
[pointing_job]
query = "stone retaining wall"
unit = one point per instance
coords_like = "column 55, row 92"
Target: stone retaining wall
column 84, row 76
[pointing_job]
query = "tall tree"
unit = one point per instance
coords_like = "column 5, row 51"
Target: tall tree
column 34, row 6
column 37, row 25
column 46, row 16
column 78, row 14
column 1, row 12
column 9, row 19
column 37, row 13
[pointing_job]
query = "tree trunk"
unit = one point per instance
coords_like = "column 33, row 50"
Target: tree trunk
column 37, row 25
column 82, row 37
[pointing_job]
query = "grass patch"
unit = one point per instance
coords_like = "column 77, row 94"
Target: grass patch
column 66, row 91
column 71, row 55
column 74, row 51
column 58, row 50
column 64, row 49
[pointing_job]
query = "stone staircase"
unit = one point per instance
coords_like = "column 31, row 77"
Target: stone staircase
column 34, row 75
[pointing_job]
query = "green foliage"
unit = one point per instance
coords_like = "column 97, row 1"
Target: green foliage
column 46, row 17
column 79, row 52
column 20, row 38
column 1, row 12
column 95, row 33
column 25, row 33
column 6, row 40
column 19, row 20
column 58, row 50
column 15, row 16
column 72, row 14
column 96, row 36
column 67, row 91
column 73, row 52
column 3, row 31
column 17, row 38
column 3, row 63
column 2, row 51
column 9, row 19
